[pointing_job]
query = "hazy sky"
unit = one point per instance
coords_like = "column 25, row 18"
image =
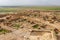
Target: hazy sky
column 29, row 2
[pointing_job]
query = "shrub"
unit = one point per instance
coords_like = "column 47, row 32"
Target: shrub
column 35, row 26
column 16, row 26
column 3, row 31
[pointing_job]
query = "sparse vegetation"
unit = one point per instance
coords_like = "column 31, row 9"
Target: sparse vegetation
column 16, row 26
column 3, row 31
column 35, row 26
column 29, row 19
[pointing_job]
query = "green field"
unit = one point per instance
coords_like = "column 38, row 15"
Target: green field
column 19, row 8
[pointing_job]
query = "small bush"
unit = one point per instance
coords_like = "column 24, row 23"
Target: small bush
column 35, row 26
column 16, row 26
column 3, row 31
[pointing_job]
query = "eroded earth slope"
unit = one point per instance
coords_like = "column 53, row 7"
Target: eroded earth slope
column 30, row 25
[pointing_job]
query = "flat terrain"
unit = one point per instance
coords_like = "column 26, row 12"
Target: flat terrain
column 16, row 8
column 29, row 24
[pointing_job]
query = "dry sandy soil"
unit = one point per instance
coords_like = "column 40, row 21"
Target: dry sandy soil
column 30, row 25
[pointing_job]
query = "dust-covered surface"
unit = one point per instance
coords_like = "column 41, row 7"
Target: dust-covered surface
column 20, row 25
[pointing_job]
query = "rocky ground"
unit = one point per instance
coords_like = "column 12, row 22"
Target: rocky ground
column 20, row 24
